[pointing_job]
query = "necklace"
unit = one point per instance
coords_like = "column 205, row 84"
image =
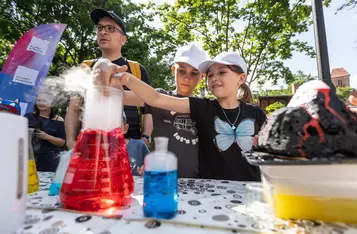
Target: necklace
column 232, row 124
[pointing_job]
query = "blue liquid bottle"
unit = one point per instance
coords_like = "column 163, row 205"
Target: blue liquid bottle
column 160, row 182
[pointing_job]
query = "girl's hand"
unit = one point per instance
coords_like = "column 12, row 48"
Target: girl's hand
column 141, row 170
column 70, row 144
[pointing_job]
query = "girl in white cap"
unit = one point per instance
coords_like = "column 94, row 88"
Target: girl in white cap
column 226, row 126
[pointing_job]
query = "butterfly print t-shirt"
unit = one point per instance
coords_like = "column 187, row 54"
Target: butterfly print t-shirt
column 221, row 144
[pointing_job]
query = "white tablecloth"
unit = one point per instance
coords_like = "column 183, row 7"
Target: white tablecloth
column 205, row 206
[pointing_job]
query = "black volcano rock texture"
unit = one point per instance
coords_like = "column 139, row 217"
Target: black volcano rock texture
column 322, row 128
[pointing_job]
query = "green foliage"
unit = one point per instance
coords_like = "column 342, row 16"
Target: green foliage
column 5, row 48
column 146, row 44
column 299, row 78
column 275, row 92
column 344, row 92
column 273, row 107
column 201, row 87
column 263, row 31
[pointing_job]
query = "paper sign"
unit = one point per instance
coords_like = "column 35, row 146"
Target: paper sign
column 38, row 45
column 25, row 76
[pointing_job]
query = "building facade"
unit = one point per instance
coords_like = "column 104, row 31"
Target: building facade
column 340, row 77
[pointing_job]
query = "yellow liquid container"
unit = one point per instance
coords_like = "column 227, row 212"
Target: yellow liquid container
column 317, row 192
column 32, row 183
column 316, row 208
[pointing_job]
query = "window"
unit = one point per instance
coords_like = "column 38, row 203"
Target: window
column 339, row 83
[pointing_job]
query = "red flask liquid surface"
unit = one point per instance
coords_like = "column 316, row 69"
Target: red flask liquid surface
column 99, row 174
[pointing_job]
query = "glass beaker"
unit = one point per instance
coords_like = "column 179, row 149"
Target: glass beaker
column 33, row 183
column 99, row 173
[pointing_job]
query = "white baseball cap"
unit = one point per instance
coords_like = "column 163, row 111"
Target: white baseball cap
column 191, row 54
column 226, row 58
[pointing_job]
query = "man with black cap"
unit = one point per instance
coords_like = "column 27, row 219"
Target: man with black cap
column 111, row 37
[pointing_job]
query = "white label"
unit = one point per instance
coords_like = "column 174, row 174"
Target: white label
column 38, row 45
column 68, row 178
column 23, row 106
column 25, row 76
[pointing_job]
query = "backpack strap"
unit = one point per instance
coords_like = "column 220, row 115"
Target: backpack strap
column 134, row 66
column 135, row 69
column 87, row 63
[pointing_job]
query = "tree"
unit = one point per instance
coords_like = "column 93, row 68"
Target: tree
column 263, row 31
column 348, row 5
column 201, row 90
column 146, row 44
column 273, row 107
column 300, row 77
column 344, row 92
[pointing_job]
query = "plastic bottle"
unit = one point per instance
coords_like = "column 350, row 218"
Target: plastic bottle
column 33, row 183
column 57, row 180
column 160, row 182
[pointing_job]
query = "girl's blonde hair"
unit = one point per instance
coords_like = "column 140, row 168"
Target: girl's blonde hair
column 245, row 94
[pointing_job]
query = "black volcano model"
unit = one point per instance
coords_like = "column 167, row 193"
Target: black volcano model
column 322, row 128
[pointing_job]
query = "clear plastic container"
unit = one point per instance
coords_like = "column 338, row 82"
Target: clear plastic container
column 160, row 182
column 33, row 183
column 314, row 192
column 57, row 180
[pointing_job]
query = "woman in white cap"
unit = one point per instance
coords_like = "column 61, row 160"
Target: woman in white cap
column 226, row 126
column 179, row 127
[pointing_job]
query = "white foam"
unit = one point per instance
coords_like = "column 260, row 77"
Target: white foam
column 77, row 80
column 103, row 112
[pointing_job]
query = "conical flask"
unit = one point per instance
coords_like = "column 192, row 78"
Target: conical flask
column 33, row 183
column 99, row 175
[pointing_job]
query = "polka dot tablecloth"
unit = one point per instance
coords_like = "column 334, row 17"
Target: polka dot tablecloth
column 205, row 206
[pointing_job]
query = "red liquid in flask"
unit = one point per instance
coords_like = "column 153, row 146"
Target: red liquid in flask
column 99, row 174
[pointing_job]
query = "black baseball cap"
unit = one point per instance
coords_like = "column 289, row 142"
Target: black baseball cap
column 99, row 13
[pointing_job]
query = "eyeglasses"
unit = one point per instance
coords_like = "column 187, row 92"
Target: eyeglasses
column 108, row 28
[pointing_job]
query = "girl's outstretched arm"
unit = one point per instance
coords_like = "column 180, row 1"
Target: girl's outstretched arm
column 130, row 99
column 153, row 98
column 105, row 75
